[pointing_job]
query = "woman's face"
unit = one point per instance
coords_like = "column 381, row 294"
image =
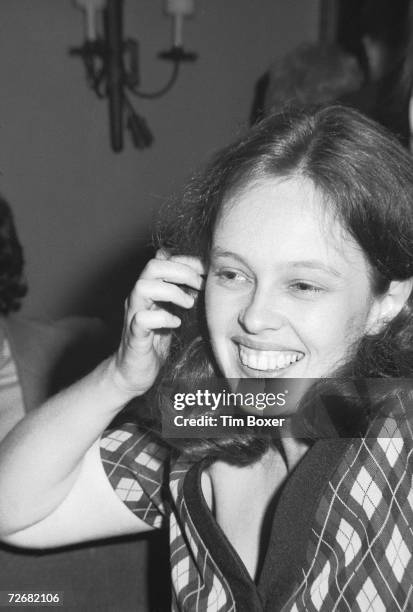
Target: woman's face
column 288, row 292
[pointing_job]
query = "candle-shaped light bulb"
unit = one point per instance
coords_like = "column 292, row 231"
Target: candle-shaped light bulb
column 178, row 10
column 91, row 8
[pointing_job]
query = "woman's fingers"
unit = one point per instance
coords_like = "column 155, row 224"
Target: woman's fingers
column 145, row 322
column 166, row 280
column 162, row 254
column 147, row 293
column 148, row 321
column 189, row 260
column 193, row 262
column 182, row 270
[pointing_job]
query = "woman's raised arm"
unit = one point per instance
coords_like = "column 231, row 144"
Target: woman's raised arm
column 53, row 490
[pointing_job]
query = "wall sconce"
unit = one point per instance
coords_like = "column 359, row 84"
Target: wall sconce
column 112, row 64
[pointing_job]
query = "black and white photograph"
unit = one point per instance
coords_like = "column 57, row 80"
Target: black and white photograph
column 206, row 305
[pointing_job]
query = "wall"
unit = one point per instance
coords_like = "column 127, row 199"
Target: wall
column 83, row 212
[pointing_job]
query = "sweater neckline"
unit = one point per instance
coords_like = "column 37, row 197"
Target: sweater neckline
column 294, row 508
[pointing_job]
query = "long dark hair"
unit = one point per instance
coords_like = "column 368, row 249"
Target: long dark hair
column 12, row 285
column 366, row 180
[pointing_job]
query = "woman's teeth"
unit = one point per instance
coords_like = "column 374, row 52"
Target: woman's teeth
column 267, row 360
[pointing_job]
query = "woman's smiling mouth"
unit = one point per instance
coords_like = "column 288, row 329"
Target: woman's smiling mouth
column 265, row 360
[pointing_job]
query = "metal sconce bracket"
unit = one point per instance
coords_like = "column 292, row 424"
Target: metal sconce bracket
column 112, row 71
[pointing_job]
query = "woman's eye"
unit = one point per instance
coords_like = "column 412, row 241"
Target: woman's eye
column 231, row 276
column 304, row 287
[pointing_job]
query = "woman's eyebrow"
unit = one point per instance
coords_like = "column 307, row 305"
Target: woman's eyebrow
column 315, row 264
column 218, row 252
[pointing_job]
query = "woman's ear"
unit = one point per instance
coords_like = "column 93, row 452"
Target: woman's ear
column 388, row 306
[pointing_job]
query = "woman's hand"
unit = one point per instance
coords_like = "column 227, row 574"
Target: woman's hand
column 68, row 424
column 148, row 324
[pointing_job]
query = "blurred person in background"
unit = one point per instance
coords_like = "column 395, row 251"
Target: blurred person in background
column 377, row 32
column 370, row 68
column 384, row 35
column 406, row 80
column 38, row 358
column 312, row 74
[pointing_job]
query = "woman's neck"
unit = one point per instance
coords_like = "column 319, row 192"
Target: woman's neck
column 241, row 498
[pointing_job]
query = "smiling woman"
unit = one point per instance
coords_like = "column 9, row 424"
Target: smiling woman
column 303, row 229
column 306, row 227
column 278, row 301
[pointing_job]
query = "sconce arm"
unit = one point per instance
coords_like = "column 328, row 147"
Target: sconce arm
column 151, row 95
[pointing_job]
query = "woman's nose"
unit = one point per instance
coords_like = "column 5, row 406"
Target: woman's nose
column 261, row 313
